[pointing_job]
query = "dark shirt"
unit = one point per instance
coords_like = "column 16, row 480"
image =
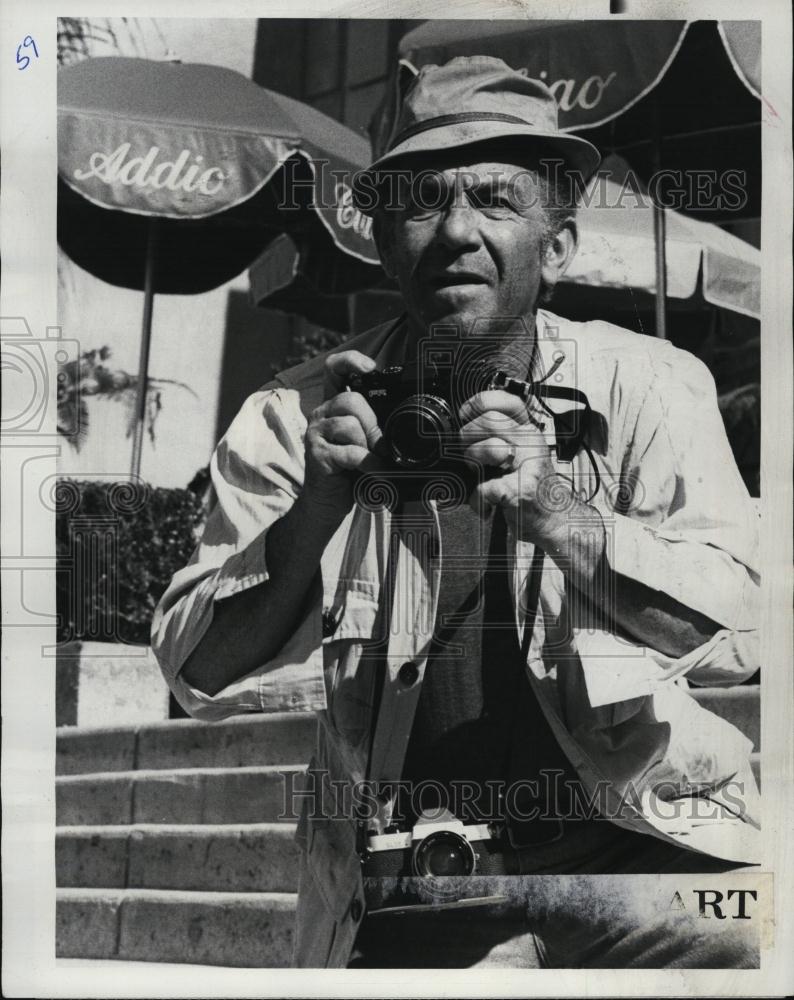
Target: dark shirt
column 478, row 722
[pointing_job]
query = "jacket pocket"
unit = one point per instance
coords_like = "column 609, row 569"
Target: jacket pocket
column 350, row 668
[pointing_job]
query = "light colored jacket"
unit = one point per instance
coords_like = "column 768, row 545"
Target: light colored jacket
column 678, row 519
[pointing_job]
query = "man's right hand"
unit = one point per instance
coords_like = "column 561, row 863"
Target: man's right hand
column 341, row 439
column 248, row 628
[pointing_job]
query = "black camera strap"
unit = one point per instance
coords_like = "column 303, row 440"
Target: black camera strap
column 571, row 429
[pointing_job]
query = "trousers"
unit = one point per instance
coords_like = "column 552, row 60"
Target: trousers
column 623, row 912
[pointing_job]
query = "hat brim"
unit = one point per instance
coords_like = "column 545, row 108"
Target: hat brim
column 576, row 153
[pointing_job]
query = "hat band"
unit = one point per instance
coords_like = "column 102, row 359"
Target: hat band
column 463, row 116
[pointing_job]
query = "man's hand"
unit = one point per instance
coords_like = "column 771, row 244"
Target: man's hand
column 341, row 437
column 538, row 503
column 497, row 432
column 248, row 628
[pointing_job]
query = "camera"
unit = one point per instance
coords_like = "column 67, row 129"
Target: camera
column 416, row 406
column 431, row 849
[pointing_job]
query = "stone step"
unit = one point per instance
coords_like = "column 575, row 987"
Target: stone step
column 739, row 705
column 189, row 795
column 253, row 929
column 251, row 857
column 242, row 741
column 274, row 738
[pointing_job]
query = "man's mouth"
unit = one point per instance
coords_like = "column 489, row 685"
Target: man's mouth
column 448, row 279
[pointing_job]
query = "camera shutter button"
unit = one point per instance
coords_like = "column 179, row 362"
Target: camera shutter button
column 408, row 673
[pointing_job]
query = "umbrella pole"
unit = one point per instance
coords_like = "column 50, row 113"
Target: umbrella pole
column 659, row 237
column 661, row 271
column 146, row 338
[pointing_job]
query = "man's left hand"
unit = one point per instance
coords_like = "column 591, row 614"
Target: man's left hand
column 497, row 432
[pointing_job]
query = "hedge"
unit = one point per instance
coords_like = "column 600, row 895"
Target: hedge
column 117, row 546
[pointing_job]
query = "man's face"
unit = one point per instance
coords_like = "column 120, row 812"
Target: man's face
column 468, row 244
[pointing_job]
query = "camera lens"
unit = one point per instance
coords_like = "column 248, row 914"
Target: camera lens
column 416, row 428
column 443, row 853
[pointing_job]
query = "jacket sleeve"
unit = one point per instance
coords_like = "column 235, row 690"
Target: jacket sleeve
column 690, row 531
column 257, row 471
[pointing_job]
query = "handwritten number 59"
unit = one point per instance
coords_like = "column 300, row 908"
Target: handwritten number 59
column 23, row 60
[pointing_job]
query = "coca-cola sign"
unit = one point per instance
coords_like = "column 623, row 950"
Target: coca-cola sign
column 177, row 174
column 348, row 216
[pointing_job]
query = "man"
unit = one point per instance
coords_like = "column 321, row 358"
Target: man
column 603, row 550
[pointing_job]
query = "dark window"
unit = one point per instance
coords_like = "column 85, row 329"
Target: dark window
column 321, row 63
column 367, row 51
column 361, row 104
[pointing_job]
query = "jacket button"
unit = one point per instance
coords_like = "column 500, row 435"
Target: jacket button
column 356, row 910
column 408, row 673
column 330, row 624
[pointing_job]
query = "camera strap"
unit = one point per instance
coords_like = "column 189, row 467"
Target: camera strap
column 532, row 599
column 571, row 426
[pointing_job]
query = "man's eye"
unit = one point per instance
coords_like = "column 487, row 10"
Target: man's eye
column 491, row 201
column 417, row 210
column 431, row 195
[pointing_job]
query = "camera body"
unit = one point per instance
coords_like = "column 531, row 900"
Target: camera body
column 440, row 848
column 417, row 405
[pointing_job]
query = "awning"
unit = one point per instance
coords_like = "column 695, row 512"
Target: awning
column 292, row 277
column 173, row 178
column 742, row 41
column 154, row 138
column 186, row 142
column 595, row 69
column 594, row 74
column 617, row 248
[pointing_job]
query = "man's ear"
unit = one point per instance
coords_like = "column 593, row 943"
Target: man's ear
column 383, row 234
column 559, row 252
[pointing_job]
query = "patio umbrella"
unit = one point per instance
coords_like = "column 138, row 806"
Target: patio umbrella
column 174, row 177
column 291, row 277
column 667, row 94
column 617, row 248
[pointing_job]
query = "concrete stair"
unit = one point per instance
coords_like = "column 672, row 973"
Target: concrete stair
column 277, row 738
column 253, row 929
column 173, row 844
column 251, row 857
column 187, row 795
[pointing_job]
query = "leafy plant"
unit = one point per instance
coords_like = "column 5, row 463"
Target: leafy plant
column 117, row 546
column 306, row 345
column 89, row 376
column 81, row 37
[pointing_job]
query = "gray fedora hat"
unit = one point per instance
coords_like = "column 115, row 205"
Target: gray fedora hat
column 473, row 99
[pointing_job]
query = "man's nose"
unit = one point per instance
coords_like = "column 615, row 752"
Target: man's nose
column 459, row 225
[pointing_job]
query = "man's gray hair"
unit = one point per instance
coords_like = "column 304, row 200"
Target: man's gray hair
column 558, row 200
